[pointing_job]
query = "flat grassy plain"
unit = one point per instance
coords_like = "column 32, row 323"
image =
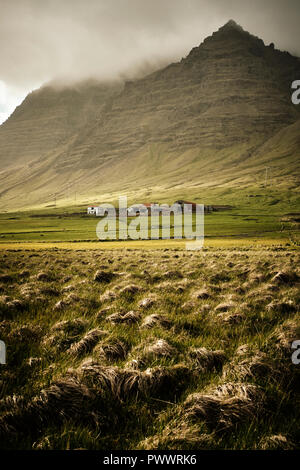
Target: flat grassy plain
column 61, row 225
column 80, row 227
column 149, row 349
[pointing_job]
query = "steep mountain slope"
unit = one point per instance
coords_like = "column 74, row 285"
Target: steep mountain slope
column 48, row 117
column 216, row 117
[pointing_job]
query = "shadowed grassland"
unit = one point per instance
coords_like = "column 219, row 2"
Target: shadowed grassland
column 155, row 349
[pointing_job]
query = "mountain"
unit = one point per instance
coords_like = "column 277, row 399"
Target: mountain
column 216, row 118
column 49, row 117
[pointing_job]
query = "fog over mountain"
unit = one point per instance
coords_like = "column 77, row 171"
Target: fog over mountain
column 74, row 39
column 217, row 117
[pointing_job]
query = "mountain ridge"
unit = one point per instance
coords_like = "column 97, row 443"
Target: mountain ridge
column 215, row 109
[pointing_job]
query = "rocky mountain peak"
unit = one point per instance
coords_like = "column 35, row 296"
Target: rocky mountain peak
column 231, row 25
column 231, row 29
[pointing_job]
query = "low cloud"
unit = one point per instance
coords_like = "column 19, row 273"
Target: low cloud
column 77, row 39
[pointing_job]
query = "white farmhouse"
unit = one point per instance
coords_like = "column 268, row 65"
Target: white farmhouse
column 92, row 210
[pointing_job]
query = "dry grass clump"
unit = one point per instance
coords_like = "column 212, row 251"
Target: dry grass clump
column 243, row 350
column 5, row 327
column 11, row 403
column 256, row 277
column 188, row 306
column 201, row 294
column 62, row 337
column 130, row 290
column 72, row 298
column 129, row 318
column 108, row 296
column 147, row 302
column 282, row 306
column 258, row 298
column 102, row 312
column 135, row 364
column 172, row 274
column 207, row 408
column 224, row 307
column 159, row 348
column 4, row 299
column 171, row 286
column 73, row 327
column 286, row 277
column 241, row 390
column 25, row 334
column 232, row 318
column 104, row 276
column 205, row 308
column 68, row 288
column 276, row 442
column 28, row 291
column 182, row 286
column 221, row 276
column 285, row 334
column 43, row 276
column 124, row 384
column 103, row 378
column 87, row 343
column 61, row 305
column 207, row 360
column 14, row 305
column 164, row 380
column 63, row 400
column 267, row 288
column 154, row 320
column 58, row 340
column 258, row 365
column 34, row 361
column 49, row 291
column 11, row 409
column 42, row 444
column 5, row 278
column 225, row 406
column 179, row 436
column 113, row 350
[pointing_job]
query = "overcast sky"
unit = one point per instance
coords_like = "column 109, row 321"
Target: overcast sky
column 41, row 40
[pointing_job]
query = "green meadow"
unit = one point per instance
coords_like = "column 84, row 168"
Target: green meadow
column 250, row 217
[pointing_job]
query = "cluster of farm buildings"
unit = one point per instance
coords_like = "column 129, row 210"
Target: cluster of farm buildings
column 133, row 210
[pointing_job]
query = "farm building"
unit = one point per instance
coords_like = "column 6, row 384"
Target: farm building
column 193, row 205
column 132, row 211
column 92, row 210
column 135, row 209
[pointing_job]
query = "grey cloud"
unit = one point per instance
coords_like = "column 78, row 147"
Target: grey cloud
column 76, row 39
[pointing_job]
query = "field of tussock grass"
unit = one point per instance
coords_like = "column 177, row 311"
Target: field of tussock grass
column 156, row 349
